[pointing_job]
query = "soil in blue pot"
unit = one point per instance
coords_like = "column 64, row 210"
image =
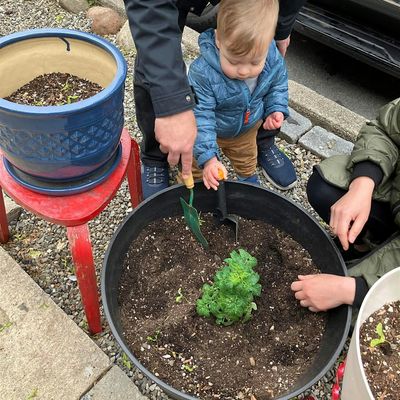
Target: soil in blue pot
column 55, row 89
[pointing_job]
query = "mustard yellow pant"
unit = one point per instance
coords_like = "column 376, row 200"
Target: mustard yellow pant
column 241, row 151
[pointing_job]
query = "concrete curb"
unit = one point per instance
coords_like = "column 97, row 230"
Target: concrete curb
column 324, row 112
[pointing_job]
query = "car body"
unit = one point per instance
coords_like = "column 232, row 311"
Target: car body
column 367, row 30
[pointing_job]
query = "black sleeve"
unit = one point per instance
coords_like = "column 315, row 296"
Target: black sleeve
column 288, row 10
column 155, row 30
column 361, row 291
column 369, row 169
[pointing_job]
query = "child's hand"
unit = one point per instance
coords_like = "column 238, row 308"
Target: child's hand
column 273, row 121
column 211, row 173
column 322, row 292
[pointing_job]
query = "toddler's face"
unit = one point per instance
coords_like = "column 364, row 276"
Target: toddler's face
column 244, row 67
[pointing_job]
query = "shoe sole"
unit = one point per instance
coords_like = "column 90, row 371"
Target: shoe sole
column 272, row 182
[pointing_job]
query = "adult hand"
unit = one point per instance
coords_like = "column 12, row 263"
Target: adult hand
column 273, row 121
column 212, row 174
column 350, row 213
column 322, row 292
column 176, row 135
column 282, row 45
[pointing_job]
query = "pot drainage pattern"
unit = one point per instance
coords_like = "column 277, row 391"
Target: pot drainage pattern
column 63, row 145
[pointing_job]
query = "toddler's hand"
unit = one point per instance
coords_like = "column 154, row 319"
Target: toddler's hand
column 211, row 173
column 273, row 121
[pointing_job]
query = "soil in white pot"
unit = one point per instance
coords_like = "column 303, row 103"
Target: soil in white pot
column 381, row 357
column 164, row 272
column 55, row 89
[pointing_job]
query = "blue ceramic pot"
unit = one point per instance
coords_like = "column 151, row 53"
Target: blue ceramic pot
column 61, row 142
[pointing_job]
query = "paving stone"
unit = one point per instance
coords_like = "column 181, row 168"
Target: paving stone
column 324, row 143
column 43, row 353
column 115, row 385
column 294, row 127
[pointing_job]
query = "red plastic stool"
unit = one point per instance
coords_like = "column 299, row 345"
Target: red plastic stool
column 75, row 212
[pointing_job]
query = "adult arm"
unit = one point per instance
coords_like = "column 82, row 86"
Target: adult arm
column 155, row 30
column 372, row 162
column 288, row 11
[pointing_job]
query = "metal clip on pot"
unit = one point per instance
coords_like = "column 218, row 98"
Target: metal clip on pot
column 221, row 212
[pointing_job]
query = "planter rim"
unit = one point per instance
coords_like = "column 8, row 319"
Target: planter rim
column 91, row 102
column 148, row 373
column 382, row 281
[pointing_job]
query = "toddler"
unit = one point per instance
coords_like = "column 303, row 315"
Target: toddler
column 241, row 84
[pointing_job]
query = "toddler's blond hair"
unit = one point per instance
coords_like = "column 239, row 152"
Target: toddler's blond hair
column 245, row 26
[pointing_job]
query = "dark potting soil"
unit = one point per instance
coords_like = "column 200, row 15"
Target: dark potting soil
column 382, row 362
column 55, row 89
column 164, row 272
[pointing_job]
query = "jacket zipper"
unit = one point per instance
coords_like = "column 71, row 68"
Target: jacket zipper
column 247, row 116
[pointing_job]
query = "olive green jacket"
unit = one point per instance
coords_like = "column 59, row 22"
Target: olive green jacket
column 378, row 142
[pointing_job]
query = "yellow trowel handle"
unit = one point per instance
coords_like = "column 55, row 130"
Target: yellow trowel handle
column 189, row 182
column 221, row 175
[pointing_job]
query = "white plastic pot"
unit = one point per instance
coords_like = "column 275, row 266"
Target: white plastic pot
column 385, row 290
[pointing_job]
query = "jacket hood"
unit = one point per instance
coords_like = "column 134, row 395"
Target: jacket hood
column 209, row 49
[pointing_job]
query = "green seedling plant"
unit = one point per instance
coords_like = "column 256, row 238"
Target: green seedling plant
column 230, row 298
column 126, row 362
column 188, row 368
column 381, row 339
column 66, row 87
column 155, row 337
column 179, row 297
column 59, row 18
column 72, row 99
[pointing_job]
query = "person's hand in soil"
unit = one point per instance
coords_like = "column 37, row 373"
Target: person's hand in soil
column 273, row 121
column 176, row 135
column 350, row 213
column 213, row 171
column 321, row 292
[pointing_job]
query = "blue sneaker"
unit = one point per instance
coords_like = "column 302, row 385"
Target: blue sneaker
column 154, row 179
column 249, row 179
column 276, row 167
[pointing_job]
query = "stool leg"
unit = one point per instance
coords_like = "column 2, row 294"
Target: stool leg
column 4, row 232
column 81, row 249
column 134, row 175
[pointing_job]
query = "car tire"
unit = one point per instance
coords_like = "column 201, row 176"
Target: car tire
column 207, row 19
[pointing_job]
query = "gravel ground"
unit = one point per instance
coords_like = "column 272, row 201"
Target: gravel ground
column 42, row 249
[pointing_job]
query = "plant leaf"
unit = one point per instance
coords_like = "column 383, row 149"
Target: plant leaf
column 377, row 341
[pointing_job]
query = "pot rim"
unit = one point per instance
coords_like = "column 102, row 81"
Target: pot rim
column 149, row 374
column 82, row 105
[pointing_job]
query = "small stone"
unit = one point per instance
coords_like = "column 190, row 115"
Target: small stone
column 252, row 361
column 105, row 21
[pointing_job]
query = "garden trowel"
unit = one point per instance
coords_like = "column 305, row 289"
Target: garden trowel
column 221, row 210
column 191, row 214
